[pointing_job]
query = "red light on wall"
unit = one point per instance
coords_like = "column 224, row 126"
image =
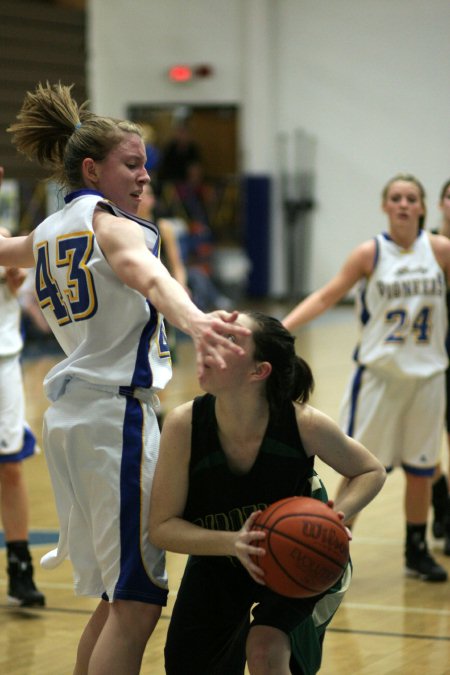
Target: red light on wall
column 180, row 73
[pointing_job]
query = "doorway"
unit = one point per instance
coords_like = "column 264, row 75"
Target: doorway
column 214, row 129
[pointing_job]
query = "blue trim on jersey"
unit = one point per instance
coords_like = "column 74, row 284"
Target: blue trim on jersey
column 356, row 388
column 109, row 206
column 81, row 193
column 365, row 314
column 377, row 254
column 143, row 376
column 134, row 582
column 387, row 236
column 28, row 448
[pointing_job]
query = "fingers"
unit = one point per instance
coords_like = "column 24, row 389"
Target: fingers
column 226, row 316
column 250, row 521
column 218, row 319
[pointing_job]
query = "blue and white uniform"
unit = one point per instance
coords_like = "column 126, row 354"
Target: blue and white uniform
column 101, row 434
column 16, row 439
column 395, row 400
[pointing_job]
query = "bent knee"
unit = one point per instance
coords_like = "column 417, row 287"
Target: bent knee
column 141, row 615
column 268, row 651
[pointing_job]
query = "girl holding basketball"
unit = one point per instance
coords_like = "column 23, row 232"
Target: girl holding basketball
column 395, row 399
column 246, row 443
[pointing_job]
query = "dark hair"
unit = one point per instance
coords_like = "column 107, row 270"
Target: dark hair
column 291, row 378
column 444, row 189
column 57, row 132
column 409, row 178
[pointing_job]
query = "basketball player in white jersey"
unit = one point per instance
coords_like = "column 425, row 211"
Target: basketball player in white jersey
column 16, row 443
column 102, row 289
column 441, row 478
column 395, row 400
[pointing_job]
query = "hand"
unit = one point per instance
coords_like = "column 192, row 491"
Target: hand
column 211, row 336
column 341, row 516
column 246, row 547
column 15, row 276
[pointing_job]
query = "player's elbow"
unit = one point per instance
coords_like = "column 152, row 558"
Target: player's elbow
column 379, row 475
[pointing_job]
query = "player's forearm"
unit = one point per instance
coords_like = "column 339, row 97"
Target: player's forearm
column 16, row 251
column 308, row 309
column 172, row 300
column 359, row 491
column 180, row 536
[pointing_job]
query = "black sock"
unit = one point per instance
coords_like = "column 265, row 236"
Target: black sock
column 415, row 536
column 19, row 550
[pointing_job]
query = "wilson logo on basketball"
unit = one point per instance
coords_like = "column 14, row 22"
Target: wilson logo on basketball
column 327, row 536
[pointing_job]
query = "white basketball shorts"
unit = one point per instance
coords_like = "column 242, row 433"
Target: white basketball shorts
column 400, row 420
column 101, row 451
column 12, row 407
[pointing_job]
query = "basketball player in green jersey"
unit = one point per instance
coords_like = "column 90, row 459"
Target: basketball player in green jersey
column 248, row 442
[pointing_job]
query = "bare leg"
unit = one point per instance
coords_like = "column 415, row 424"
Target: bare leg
column 417, row 498
column 115, row 638
column 268, row 651
column 14, row 501
column 22, row 590
column 90, row 636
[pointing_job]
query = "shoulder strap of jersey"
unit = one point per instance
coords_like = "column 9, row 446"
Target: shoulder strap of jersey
column 112, row 208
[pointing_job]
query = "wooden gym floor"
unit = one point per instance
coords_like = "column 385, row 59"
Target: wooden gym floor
column 387, row 625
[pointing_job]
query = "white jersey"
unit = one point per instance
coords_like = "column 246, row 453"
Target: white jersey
column 112, row 336
column 10, row 313
column 402, row 311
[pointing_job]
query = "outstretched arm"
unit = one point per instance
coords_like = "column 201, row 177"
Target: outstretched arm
column 357, row 265
column 123, row 244
column 15, row 251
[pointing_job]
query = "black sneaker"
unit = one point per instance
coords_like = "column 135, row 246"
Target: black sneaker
column 22, row 591
column 419, row 563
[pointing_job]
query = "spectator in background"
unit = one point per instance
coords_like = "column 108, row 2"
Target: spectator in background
column 188, row 203
column 153, row 154
column 170, row 249
column 177, row 155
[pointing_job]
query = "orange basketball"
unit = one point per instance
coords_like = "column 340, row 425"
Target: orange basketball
column 307, row 547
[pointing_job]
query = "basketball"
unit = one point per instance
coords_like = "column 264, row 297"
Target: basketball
column 307, row 547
